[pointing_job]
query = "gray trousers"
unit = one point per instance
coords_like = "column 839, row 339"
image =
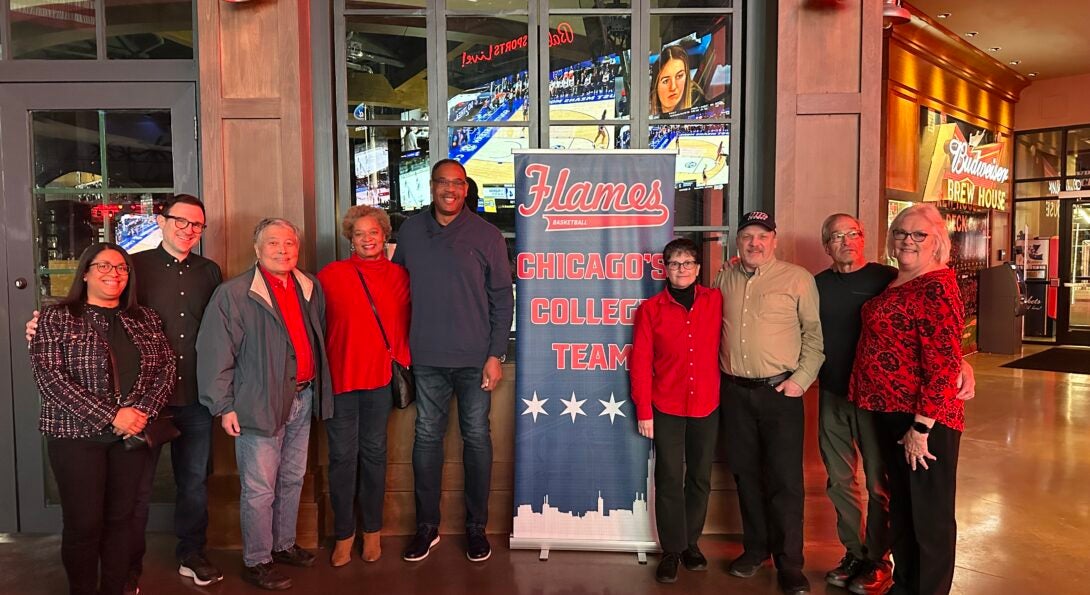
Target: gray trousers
column 843, row 427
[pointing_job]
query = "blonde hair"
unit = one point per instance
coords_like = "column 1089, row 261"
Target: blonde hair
column 934, row 219
column 359, row 212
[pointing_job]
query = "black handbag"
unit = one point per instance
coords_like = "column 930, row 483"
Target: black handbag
column 156, row 433
column 402, row 384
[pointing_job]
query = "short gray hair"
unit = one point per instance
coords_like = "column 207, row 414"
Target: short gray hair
column 271, row 221
column 938, row 229
column 827, row 227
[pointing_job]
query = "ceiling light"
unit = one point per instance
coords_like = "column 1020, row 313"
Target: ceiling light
column 994, row 49
column 972, row 34
column 894, row 14
column 1033, row 74
column 943, row 15
column 1015, row 62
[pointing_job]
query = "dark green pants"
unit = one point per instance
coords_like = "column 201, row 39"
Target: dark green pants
column 843, row 427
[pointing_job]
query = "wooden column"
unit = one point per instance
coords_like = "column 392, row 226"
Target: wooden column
column 828, row 122
column 256, row 162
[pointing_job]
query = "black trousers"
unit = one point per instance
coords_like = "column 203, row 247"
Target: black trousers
column 98, row 482
column 763, row 430
column 357, row 458
column 684, row 449
column 921, row 507
column 190, row 458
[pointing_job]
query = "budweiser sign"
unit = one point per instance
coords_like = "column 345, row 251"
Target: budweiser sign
column 966, row 160
column 573, row 205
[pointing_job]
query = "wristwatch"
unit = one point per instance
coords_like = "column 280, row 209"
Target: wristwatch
column 502, row 357
column 921, row 428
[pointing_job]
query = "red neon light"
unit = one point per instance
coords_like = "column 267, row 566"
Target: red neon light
column 563, row 35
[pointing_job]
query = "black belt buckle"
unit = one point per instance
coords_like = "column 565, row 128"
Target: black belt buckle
column 302, row 386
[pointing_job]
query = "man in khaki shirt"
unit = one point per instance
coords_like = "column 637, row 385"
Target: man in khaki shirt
column 770, row 354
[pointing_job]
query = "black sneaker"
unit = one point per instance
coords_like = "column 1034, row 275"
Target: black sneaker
column 693, row 559
column 875, row 580
column 294, row 556
column 667, row 570
column 197, row 567
column 745, row 566
column 849, row 568
column 265, row 576
column 425, row 539
column 793, row 582
column 477, row 549
column 132, row 585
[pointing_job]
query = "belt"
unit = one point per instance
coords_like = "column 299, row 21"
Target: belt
column 302, row 386
column 772, row 381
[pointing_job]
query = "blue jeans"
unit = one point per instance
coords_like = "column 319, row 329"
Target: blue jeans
column 271, row 470
column 189, row 457
column 434, row 388
column 357, row 437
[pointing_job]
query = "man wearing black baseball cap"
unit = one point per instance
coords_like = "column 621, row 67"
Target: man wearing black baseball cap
column 770, row 354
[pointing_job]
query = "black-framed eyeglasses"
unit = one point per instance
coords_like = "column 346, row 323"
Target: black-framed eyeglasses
column 839, row 236
column 443, row 182
column 686, row 265
column 105, row 267
column 917, row 236
column 182, row 223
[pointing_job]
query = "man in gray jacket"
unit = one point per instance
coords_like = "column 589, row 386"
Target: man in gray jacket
column 262, row 368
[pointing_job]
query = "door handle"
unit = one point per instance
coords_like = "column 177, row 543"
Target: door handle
column 20, row 283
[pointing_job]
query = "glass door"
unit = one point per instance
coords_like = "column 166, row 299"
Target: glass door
column 81, row 163
column 1074, row 297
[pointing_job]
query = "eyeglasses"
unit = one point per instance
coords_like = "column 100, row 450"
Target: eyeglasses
column 686, row 265
column 105, row 267
column 442, row 182
column 917, row 236
column 839, row 236
column 182, row 223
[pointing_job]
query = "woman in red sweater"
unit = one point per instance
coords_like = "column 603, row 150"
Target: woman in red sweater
column 359, row 361
column 906, row 369
column 675, row 387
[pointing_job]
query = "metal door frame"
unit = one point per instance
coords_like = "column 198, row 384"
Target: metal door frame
column 1064, row 334
column 22, row 456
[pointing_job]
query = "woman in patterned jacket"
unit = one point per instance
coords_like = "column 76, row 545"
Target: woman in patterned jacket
column 103, row 367
column 906, row 369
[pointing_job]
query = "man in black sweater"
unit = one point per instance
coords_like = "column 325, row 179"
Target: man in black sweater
column 462, row 306
column 842, row 427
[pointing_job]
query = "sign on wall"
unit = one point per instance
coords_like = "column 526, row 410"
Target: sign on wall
column 963, row 163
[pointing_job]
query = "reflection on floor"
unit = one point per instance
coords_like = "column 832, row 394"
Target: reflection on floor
column 1023, row 517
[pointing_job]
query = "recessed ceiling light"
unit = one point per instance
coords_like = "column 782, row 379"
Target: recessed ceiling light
column 943, row 15
column 994, row 49
column 1015, row 62
column 1033, row 74
column 971, row 34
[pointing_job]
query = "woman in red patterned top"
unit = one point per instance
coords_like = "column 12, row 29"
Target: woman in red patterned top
column 675, row 386
column 360, row 365
column 906, row 370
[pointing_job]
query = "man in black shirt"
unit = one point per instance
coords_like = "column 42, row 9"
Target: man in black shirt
column 843, row 288
column 177, row 284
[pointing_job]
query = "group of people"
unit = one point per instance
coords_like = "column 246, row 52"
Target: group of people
column 157, row 336
column 732, row 363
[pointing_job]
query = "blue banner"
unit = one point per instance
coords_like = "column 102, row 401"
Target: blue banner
column 590, row 231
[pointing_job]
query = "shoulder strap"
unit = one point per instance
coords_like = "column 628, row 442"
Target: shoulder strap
column 373, row 308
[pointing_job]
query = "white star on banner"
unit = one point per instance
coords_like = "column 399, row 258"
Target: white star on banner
column 612, row 408
column 535, row 406
column 573, row 407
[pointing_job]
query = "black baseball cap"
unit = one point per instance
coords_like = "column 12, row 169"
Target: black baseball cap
column 757, row 218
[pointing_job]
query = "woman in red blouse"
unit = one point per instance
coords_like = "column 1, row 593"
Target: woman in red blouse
column 360, row 365
column 675, row 386
column 906, row 370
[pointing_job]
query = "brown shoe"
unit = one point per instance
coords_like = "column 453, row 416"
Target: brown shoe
column 342, row 552
column 372, row 547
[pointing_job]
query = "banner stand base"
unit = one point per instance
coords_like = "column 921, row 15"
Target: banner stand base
column 544, row 545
